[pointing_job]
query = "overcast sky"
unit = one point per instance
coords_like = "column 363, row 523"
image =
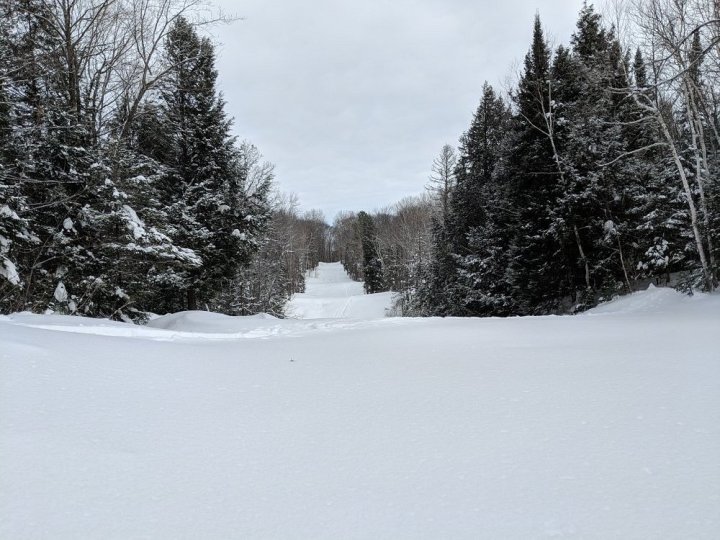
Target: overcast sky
column 352, row 100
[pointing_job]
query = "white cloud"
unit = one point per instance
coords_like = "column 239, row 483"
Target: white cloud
column 353, row 100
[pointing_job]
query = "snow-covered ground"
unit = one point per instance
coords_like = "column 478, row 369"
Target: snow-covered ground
column 329, row 293
column 604, row 425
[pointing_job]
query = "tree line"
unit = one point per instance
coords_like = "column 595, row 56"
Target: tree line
column 596, row 173
column 122, row 190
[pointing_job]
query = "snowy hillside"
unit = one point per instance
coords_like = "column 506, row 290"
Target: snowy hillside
column 604, row 425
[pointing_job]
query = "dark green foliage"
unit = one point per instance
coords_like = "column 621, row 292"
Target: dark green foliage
column 454, row 275
column 576, row 199
column 372, row 267
column 205, row 178
column 479, row 153
column 116, row 215
column 640, row 70
column 537, row 271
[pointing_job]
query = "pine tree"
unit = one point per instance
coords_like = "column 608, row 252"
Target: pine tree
column 537, row 268
column 590, row 211
column 204, row 188
column 13, row 229
column 53, row 162
column 479, row 153
column 372, row 267
column 640, row 71
column 655, row 209
column 478, row 212
column 117, row 211
column 134, row 232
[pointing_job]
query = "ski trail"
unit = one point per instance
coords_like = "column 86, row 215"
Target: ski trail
column 345, row 307
column 331, row 294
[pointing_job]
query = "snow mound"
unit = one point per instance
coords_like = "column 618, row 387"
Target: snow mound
column 208, row 322
column 76, row 324
column 655, row 300
column 55, row 320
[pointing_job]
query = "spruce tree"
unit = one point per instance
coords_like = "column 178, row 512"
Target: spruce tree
column 654, row 206
column 53, row 163
column 372, row 267
column 479, row 153
column 204, row 188
column 590, row 211
column 12, row 227
column 478, row 212
column 537, row 269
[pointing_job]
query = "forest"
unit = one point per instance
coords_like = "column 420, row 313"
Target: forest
column 124, row 193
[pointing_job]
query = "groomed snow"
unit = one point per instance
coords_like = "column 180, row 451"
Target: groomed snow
column 604, row 425
column 329, row 293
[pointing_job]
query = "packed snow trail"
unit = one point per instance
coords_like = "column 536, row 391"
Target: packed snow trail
column 604, row 425
column 331, row 294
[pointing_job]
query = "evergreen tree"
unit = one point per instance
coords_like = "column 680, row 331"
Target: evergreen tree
column 590, row 210
column 13, row 229
column 479, row 153
column 446, row 280
column 537, row 268
column 372, row 267
column 435, row 296
column 117, row 211
column 53, row 162
column 478, row 209
column 204, row 188
column 583, row 198
column 640, row 71
column 654, row 204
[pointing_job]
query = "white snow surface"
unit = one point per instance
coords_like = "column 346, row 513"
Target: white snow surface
column 330, row 293
column 604, row 425
column 653, row 300
column 8, row 270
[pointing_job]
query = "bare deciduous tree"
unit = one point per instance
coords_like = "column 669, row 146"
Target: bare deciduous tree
column 442, row 178
column 671, row 32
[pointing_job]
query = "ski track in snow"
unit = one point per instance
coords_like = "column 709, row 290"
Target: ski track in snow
column 330, row 293
column 603, row 425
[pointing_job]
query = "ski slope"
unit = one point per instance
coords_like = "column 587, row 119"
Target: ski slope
column 331, row 294
column 604, row 425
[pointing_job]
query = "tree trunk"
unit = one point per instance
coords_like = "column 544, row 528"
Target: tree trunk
column 701, row 167
column 583, row 257
column 624, row 268
column 690, row 202
column 191, row 300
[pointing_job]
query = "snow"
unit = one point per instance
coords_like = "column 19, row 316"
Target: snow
column 7, row 212
column 655, row 300
column 8, row 270
column 330, row 293
column 603, row 425
column 133, row 223
column 210, row 323
column 60, row 293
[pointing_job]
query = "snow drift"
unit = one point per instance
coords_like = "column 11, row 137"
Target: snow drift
column 655, row 300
